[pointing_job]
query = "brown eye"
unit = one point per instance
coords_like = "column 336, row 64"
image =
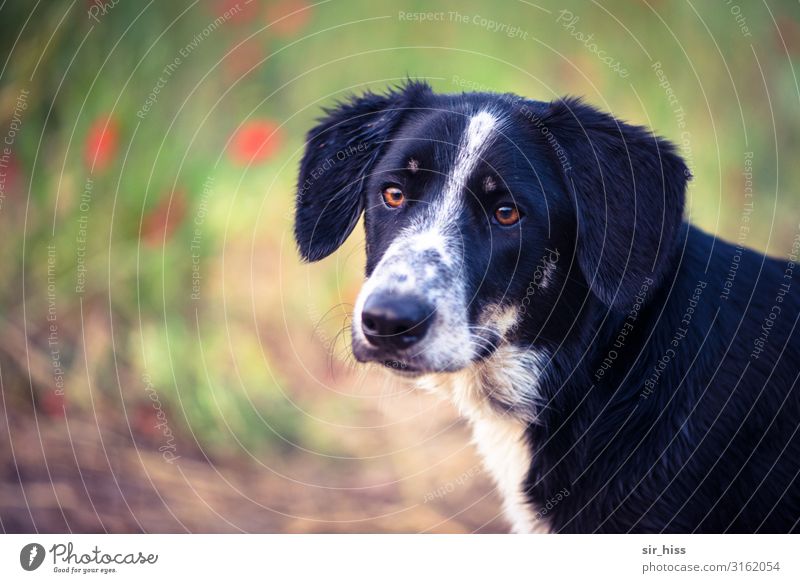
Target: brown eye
column 506, row 215
column 393, row 197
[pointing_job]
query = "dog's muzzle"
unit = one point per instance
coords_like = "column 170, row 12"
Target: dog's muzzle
column 411, row 313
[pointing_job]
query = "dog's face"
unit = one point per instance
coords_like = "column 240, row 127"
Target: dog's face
column 477, row 219
column 450, row 207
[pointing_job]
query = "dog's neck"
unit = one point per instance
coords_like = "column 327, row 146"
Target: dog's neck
column 497, row 396
column 513, row 394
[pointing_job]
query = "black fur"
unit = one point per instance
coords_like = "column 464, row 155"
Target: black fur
column 628, row 190
column 340, row 153
column 666, row 405
column 712, row 445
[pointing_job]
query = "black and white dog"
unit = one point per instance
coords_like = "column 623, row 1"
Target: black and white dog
column 622, row 371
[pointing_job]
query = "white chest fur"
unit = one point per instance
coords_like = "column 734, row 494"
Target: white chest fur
column 500, row 442
column 499, row 436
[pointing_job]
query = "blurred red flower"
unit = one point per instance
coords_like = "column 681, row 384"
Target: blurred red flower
column 255, row 141
column 237, row 10
column 52, row 404
column 300, row 15
column 145, row 421
column 12, row 174
column 102, row 142
column 161, row 222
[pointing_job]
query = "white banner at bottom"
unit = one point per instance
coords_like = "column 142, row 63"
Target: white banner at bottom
column 390, row 558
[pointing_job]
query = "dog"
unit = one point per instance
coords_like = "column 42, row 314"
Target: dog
column 622, row 371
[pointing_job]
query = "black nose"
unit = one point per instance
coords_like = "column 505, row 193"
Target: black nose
column 395, row 321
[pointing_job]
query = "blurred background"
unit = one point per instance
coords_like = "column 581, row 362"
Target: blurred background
column 167, row 364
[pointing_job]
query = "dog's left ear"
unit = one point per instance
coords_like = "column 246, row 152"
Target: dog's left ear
column 341, row 151
column 628, row 189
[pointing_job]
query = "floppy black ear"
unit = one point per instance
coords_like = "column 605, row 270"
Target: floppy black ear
column 628, row 187
column 340, row 152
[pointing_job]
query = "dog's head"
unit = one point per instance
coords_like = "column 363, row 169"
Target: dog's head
column 480, row 211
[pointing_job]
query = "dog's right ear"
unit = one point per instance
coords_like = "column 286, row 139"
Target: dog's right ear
column 341, row 151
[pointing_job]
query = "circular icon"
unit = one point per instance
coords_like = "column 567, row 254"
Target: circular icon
column 31, row 556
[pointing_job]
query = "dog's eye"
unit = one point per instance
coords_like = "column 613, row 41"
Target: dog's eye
column 507, row 215
column 393, row 197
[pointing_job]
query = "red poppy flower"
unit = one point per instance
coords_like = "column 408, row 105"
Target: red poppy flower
column 237, row 11
column 52, row 404
column 12, row 175
column 297, row 12
column 161, row 222
column 102, row 142
column 146, row 422
column 255, row 141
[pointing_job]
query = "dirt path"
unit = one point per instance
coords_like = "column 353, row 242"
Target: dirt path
column 72, row 475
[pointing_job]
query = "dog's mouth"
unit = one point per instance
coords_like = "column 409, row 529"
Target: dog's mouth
column 402, row 368
column 428, row 358
column 404, row 365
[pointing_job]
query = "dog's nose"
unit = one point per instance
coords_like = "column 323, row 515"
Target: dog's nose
column 393, row 321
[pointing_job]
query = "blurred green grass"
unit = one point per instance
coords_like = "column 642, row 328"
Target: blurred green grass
column 240, row 367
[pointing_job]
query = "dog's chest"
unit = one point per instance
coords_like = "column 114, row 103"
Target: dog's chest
column 501, row 443
column 499, row 438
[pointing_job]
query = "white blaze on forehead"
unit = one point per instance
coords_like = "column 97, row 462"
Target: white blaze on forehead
column 470, row 150
column 408, row 267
